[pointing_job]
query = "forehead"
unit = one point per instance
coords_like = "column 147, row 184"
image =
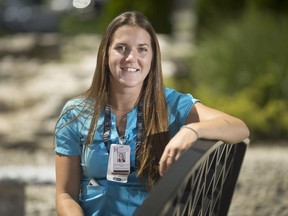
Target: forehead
column 129, row 34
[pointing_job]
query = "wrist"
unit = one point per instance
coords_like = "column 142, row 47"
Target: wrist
column 191, row 129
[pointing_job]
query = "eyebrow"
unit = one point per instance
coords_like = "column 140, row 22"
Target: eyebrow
column 144, row 44
column 125, row 44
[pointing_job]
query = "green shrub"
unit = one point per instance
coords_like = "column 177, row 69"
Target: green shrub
column 71, row 24
column 210, row 12
column 242, row 68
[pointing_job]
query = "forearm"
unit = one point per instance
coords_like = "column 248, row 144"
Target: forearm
column 227, row 129
column 202, row 123
column 66, row 206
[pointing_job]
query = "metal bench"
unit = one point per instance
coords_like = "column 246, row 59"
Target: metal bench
column 201, row 182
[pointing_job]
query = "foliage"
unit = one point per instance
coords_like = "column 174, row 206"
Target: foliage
column 158, row 12
column 242, row 68
column 72, row 23
column 211, row 12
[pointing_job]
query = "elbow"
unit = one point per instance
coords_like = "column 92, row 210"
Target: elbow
column 239, row 133
column 242, row 133
column 247, row 135
column 245, row 131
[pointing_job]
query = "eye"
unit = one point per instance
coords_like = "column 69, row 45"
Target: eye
column 142, row 49
column 121, row 49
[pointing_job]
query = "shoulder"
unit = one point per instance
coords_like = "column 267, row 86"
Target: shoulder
column 173, row 96
column 169, row 92
column 178, row 105
column 74, row 113
column 77, row 105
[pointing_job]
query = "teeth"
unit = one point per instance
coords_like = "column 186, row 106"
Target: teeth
column 130, row 69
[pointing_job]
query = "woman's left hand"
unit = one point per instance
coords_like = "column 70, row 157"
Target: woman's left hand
column 177, row 145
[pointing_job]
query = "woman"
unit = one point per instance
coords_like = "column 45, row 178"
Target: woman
column 128, row 109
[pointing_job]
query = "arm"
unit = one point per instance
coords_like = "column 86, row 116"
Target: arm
column 216, row 125
column 207, row 123
column 68, row 179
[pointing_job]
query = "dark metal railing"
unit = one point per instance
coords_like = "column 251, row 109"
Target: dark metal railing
column 200, row 183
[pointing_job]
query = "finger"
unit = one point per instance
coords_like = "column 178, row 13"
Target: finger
column 162, row 167
column 169, row 162
column 162, row 162
column 179, row 153
column 165, row 163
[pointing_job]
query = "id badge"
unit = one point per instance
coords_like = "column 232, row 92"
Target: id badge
column 119, row 163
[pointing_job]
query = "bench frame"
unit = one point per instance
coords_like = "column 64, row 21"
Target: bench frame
column 201, row 182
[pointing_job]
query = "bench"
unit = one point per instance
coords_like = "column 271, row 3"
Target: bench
column 201, row 182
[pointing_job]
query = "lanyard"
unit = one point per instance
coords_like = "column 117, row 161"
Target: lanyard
column 107, row 126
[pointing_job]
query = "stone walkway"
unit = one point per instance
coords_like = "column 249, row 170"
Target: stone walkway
column 262, row 187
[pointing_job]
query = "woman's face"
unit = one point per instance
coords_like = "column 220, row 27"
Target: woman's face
column 129, row 56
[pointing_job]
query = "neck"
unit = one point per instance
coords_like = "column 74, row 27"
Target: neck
column 123, row 101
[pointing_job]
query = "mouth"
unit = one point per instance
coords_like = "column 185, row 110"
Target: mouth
column 129, row 69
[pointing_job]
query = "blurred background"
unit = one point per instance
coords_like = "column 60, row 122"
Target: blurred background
column 233, row 55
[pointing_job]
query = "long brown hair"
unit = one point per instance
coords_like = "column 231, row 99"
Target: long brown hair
column 152, row 94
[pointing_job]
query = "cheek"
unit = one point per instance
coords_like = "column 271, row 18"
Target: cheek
column 113, row 60
column 147, row 63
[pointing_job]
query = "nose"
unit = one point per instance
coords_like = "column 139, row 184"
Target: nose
column 130, row 56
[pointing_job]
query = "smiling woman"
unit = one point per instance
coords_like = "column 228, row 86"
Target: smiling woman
column 128, row 110
column 129, row 58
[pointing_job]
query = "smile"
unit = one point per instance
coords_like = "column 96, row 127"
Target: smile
column 129, row 69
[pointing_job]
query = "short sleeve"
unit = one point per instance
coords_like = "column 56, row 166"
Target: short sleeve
column 185, row 103
column 67, row 135
column 179, row 106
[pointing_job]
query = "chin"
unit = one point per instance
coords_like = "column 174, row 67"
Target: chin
column 132, row 84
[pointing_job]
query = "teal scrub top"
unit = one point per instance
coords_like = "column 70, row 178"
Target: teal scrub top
column 110, row 198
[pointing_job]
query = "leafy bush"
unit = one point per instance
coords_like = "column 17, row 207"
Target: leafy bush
column 71, row 24
column 242, row 68
column 210, row 12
